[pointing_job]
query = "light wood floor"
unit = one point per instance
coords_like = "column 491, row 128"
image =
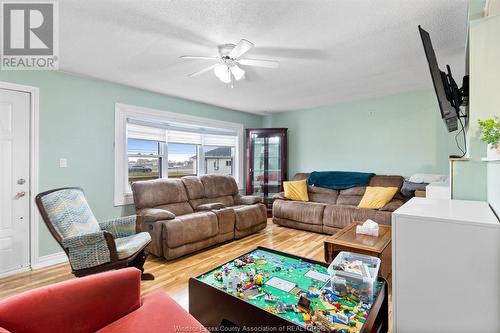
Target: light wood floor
column 172, row 276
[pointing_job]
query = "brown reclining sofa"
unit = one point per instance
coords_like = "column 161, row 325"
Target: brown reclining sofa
column 192, row 213
column 328, row 211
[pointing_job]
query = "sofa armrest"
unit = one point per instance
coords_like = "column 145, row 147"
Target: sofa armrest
column 280, row 195
column 210, row 206
column 156, row 214
column 85, row 304
column 247, row 199
column 120, row 227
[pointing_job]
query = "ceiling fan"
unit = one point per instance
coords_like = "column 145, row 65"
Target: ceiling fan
column 227, row 68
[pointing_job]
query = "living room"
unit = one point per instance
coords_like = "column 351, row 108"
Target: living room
column 192, row 166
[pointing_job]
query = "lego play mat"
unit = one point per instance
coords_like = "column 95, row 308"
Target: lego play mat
column 291, row 288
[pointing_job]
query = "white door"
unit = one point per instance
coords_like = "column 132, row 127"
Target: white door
column 14, row 180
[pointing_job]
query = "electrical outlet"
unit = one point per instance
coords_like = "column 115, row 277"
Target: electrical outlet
column 63, row 163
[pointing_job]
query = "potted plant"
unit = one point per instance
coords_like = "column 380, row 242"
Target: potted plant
column 490, row 133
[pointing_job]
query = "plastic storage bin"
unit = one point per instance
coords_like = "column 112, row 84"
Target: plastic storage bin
column 354, row 275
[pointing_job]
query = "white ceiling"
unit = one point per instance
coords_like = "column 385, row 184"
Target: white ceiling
column 329, row 50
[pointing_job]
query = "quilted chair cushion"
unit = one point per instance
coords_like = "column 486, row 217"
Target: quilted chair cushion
column 69, row 213
column 127, row 246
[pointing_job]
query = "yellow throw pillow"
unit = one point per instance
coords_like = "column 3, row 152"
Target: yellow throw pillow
column 296, row 190
column 376, row 197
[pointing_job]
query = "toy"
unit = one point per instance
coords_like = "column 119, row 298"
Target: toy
column 312, row 304
column 323, row 322
column 280, row 307
column 218, row 276
column 268, row 297
column 238, row 263
column 304, row 304
column 258, row 279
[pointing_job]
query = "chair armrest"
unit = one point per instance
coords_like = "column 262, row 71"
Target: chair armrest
column 90, row 250
column 280, row 195
column 247, row 199
column 210, row 206
column 155, row 214
column 120, row 227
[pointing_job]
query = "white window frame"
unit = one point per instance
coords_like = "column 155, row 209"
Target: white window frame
column 124, row 111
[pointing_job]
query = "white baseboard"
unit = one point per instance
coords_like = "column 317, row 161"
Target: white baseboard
column 15, row 271
column 49, row 260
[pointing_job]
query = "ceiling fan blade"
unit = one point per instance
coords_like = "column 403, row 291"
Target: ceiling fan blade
column 241, row 48
column 203, row 70
column 259, row 63
column 237, row 72
column 196, row 57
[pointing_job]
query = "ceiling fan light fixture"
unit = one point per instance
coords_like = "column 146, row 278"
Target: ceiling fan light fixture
column 238, row 73
column 223, row 73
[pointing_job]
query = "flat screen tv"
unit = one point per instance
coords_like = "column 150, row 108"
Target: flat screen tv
column 449, row 96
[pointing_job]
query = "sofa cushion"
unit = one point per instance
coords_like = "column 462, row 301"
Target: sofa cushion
column 190, row 228
column 296, row 190
column 158, row 192
column 247, row 199
column 323, row 195
column 247, row 216
column 194, row 187
column 389, row 181
column 392, row 205
column 306, row 212
column 219, row 186
column 179, row 208
column 376, row 197
column 159, row 314
column 211, row 206
column 226, row 200
column 340, row 216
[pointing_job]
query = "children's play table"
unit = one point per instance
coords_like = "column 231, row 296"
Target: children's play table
column 265, row 290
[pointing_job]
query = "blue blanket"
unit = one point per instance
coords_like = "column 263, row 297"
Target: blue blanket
column 339, row 180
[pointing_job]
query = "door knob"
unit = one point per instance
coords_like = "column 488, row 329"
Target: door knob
column 21, row 194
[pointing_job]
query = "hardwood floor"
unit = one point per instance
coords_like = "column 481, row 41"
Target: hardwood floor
column 172, row 276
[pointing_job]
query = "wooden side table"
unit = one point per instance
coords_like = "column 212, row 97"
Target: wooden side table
column 347, row 240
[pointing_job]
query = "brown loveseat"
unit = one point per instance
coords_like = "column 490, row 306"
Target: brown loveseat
column 328, row 211
column 192, row 213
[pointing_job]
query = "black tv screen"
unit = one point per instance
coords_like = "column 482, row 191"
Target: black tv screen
column 441, row 84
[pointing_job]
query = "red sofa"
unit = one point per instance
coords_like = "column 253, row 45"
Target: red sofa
column 106, row 302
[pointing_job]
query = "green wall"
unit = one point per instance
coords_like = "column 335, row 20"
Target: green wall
column 399, row 134
column 77, row 123
column 472, row 178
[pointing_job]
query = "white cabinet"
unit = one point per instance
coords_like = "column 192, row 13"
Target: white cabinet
column 446, row 267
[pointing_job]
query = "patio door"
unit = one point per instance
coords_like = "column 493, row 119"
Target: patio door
column 14, row 180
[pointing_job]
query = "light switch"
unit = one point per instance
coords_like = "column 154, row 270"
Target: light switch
column 63, row 163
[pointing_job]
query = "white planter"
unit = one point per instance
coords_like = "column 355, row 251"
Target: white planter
column 493, row 154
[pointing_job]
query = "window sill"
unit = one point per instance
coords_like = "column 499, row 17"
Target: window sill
column 124, row 200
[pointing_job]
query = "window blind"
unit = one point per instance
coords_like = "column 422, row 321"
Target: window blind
column 146, row 133
column 162, row 132
column 220, row 140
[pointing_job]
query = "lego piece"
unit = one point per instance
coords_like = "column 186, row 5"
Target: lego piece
column 304, row 304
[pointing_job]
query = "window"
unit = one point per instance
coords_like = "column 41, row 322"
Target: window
column 151, row 144
column 144, row 160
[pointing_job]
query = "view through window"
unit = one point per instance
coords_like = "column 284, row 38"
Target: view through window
column 144, row 160
column 158, row 153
